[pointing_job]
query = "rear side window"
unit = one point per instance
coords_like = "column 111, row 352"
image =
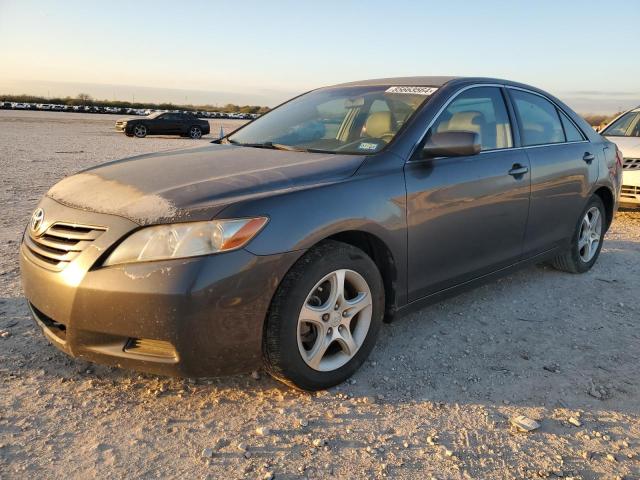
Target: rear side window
column 539, row 120
column 481, row 110
column 570, row 130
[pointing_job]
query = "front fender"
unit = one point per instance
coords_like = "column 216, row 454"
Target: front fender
column 298, row 220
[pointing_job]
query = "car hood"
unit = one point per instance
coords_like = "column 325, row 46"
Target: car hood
column 130, row 119
column 197, row 183
column 629, row 146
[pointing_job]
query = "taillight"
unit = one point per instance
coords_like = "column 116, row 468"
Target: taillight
column 619, row 157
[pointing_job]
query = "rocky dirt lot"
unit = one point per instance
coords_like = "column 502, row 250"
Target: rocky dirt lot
column 434, row 401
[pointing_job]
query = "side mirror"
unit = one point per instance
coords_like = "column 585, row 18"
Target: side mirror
column 452, row 144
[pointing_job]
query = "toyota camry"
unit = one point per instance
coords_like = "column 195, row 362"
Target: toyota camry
column 289, row 242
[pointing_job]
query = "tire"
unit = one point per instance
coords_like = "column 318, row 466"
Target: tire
column 140, row 131
column 195, row 132
column 292, row 345
column 581, row 257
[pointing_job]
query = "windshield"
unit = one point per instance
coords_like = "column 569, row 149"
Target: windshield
column 628, row 125
column 336, row 120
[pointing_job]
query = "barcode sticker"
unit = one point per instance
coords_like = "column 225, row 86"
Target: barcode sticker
column 412, row 90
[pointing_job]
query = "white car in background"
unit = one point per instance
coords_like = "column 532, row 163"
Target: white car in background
column 624, row 131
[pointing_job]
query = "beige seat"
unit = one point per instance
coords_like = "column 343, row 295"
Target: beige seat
column 465, row 122
column 379, row 125
column 494, row 135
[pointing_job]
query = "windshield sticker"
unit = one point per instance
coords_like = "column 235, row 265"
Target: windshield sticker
column 367, row 146
column 412, row 90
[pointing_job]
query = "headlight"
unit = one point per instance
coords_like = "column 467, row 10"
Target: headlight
column 180, row 240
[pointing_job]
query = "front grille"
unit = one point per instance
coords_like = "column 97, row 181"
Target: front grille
column 61, row 243
column 629, row 191
column 631, row 164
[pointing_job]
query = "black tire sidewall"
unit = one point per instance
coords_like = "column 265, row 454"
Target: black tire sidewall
column 283, row 318
column 581, row 265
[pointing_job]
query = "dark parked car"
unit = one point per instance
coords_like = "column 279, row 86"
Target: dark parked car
column 164, row 123
column 288, row 242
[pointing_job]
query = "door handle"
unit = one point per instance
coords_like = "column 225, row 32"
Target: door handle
column 518, row 170
column 589, row 157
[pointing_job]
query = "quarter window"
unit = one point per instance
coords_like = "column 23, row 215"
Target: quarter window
column 570, row 130
column 539, row 120
column 480, row 110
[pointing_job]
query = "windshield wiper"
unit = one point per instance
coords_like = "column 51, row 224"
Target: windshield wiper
column 270, row 145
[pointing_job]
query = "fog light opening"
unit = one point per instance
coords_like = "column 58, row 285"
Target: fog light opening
column 151, row 348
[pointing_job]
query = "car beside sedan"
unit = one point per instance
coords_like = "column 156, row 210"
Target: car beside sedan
column 287, row 243
column 624, row 131
column 164, row 123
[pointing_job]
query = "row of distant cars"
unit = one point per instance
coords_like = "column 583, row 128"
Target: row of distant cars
column 624, row 131
column 52, row 107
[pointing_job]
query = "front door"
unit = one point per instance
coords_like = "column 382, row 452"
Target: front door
column 467, row 215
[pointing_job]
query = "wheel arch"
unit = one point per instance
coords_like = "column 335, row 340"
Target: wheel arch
column 608, row 200
column 381, row 255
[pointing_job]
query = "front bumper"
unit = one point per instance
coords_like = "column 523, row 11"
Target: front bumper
column 630, row 192
column 201, row 316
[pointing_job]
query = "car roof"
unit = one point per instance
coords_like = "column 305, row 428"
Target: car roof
column 411, row 81
column 426, row 81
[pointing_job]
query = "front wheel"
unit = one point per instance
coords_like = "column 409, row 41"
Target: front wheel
column 587, row 240
column 140, row 131
column 325, row 317
column 195, row 133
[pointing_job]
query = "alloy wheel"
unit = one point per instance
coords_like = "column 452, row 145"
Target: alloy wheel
column 195, row 133
column 334, row 320
column 590, row 234
column 140, row 131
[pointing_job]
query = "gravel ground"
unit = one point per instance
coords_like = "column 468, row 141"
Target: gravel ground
column 434, row 401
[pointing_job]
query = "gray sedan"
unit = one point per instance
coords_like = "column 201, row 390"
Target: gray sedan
column 289, row 242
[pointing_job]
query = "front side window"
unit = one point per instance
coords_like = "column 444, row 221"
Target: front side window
column 359, row 120
column 480, row 110
column 628, row 125
column 539, row 120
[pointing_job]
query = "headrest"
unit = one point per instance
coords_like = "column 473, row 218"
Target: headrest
column 466, row 121
column 378, row 124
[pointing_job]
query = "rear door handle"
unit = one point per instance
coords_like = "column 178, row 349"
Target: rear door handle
column 518, row 170
column 589, row 157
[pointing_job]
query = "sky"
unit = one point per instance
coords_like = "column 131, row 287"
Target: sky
column 263, row 52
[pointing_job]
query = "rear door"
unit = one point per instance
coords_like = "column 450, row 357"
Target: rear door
column 467, row 215
column 564, row 166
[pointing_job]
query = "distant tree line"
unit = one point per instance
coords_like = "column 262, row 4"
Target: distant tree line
column 86, row 99
column 599, row 120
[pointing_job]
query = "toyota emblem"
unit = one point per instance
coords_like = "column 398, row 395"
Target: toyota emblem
column 37, row 219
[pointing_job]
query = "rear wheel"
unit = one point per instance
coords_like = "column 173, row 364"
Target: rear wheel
column 140, row 131
column 587, row 240
column 324, row 318
column 195, row 132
